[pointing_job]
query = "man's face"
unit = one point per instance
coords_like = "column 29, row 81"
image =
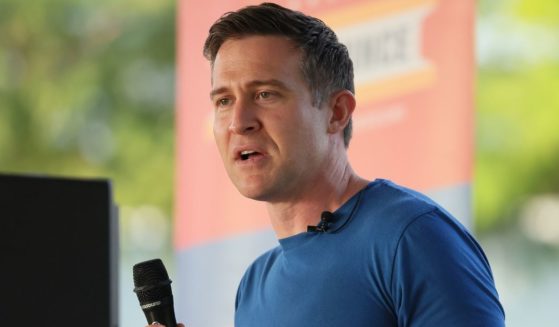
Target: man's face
column 272, row 140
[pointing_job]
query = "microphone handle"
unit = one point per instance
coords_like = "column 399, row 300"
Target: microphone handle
column 162, row 312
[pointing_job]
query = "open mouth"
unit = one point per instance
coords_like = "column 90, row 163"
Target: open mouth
column 245, row 155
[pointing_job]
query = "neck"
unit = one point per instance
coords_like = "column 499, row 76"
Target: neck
column 325, row 193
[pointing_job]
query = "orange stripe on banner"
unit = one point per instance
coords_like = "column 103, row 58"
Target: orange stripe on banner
column 371, row 10
column 397, row 85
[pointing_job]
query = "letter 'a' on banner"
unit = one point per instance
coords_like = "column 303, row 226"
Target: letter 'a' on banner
column 413, row 124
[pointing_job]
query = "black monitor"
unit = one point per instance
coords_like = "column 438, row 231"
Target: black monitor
column 59, row 252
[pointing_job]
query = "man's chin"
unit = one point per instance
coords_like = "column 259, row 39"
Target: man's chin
column 253, row 195
column 254, row 192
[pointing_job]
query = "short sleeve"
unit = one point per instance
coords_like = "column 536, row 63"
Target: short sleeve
column 441, row 277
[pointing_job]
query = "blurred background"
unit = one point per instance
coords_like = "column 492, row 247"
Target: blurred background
column 87, row 89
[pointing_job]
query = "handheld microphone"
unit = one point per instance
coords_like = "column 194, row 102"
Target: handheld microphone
column 153, row 288
column 325, row 219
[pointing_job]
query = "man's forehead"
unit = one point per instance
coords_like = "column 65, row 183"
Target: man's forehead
column 257, row 48
column 262, row 39
column 256, row 58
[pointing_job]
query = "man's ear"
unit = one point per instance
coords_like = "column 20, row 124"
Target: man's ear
column 341, row 106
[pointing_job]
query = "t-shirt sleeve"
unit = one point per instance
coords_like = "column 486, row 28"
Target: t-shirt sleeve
column 441, row 277
column 239, row 294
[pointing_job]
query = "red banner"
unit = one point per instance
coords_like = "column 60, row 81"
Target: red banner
column 413, row 124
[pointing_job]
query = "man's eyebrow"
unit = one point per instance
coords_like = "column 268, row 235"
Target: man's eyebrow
column 255, row 83
column 272, row 82
column 217, row 91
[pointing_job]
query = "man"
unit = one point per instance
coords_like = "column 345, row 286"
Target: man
column 375, row 254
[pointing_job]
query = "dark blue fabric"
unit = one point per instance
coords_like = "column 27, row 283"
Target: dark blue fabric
column 391, row 257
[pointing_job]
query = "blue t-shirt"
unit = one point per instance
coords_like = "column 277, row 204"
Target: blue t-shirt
column 391, row 257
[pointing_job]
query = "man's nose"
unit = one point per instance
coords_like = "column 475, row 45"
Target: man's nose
column 245, row 118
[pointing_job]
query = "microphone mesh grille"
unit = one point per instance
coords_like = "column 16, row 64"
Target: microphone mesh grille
column 152, row 276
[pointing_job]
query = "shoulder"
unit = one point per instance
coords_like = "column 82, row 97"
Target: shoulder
column 396, row 200
column 420, row 219
column 439, row 267
column 438, row 273
column 436, row 232
column 419, row 225
column 390, row 208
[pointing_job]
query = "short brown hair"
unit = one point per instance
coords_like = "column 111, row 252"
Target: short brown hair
column 326, row 64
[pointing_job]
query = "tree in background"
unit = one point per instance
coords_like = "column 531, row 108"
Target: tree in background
column 517, row 108
column 87, row 89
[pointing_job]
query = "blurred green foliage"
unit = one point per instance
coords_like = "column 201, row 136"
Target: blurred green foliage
column 87, row 90
column 517, row 151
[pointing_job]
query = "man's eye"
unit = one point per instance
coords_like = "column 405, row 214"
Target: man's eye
column 264, row 95
column 223, row 102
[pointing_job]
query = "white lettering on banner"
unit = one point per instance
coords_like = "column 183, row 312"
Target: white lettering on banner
column 386, row 46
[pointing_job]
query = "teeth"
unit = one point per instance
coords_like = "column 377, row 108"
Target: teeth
column 246, row 154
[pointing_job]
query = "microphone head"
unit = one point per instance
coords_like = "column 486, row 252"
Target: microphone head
column 151, row 281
